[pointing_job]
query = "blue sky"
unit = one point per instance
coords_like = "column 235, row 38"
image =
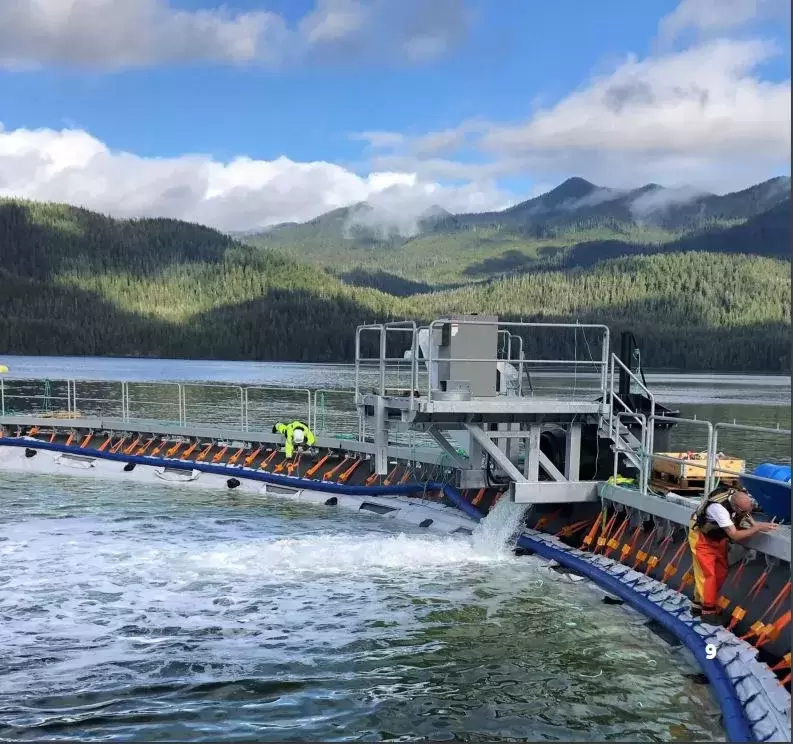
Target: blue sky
column 155, row 107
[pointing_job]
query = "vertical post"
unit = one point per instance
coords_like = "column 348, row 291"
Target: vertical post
column 711, row 461
column 2, row 398
column 383, row 349
column 357, row 372
column 182, row 404
column 532, row 465
column 124, row 402
column 380, row 438
column 572, row 458
column 604, row 365
column 414, row 365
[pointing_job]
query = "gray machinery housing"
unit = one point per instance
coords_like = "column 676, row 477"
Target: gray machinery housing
column 455, row 344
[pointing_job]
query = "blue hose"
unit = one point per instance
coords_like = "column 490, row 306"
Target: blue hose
column 735, row 722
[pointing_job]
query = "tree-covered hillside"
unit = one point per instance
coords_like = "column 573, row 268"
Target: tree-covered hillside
column 575, row 224
column 73, row 282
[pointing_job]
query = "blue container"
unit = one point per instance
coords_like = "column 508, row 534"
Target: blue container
column 774, row 498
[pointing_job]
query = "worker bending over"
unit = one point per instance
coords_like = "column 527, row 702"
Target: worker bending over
column 722, row 516
column 296, row 433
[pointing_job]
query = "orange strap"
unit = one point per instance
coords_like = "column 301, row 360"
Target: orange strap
column 292, row 466
column 771, row 632
column 250, row 458
column 146, row 446
column 316, row 466
column 671, row 567
column 614, row 542
column 345, row 476
column 590, row 537
column 641, row 556
column 189, row 450
column 736, row 575
column 542, row 521
column 758, row 585
column 628, row 547
column 480, row 494
column 571, row 529
column 217, row 457
column 128, row 450
column 118, row 446
column 391, row 475
column 204, row 452
column 601, row 541
column 783, row 663
column 267, row 460
column 336, row 468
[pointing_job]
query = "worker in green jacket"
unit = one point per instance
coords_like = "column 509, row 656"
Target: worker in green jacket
column 296, row 433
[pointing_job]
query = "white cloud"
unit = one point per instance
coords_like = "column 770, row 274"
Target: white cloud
column 243, row 194
column 701, row 116
column 707, row 17
column 120, row 34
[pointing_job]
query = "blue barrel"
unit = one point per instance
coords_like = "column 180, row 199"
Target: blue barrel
column 774, row 498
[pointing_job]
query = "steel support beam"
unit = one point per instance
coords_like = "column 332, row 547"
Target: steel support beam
column 550, row 468
column 500, row 458
column 463, row 463
column 572, row 460
column 550, row 492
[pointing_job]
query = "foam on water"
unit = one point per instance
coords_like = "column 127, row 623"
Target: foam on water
column 131, row 612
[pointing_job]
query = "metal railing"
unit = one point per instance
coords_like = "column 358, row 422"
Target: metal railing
column 240, row 407
column 424, row 367
column 645, row 456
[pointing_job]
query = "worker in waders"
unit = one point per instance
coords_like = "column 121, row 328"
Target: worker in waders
column 296, row 433
column 722, row 516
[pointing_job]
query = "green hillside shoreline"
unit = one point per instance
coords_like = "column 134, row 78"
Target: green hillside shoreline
column 706, row 298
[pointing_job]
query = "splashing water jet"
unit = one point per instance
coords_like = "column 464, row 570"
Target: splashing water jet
column 496, row 534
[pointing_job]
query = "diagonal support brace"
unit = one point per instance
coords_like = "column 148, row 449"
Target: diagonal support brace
column 463, row 463
column 498, row 456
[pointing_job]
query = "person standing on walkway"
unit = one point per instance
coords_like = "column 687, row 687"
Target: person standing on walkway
column 719, row 518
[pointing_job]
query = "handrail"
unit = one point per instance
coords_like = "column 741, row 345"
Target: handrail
column 440, row 322
column 695, row 422
column 643, row 474
column 615, row 360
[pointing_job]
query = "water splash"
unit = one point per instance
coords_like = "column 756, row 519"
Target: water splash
column 495, row 535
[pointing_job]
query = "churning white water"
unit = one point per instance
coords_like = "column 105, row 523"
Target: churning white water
column 133, row 612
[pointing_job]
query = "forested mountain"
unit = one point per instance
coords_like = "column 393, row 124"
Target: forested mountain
column 74, row 282
column 575, row 224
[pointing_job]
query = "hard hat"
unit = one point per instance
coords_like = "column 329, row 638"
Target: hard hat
column 298, row 437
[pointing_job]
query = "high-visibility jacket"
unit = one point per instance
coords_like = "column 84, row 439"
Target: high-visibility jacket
column 288, row 431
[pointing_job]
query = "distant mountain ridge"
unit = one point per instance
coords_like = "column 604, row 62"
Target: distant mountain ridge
column 577, row 218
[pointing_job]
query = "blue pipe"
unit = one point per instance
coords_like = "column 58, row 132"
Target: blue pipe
column 734, row 717
column 256, row 475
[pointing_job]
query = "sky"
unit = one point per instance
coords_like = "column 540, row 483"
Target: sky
column 249, row 113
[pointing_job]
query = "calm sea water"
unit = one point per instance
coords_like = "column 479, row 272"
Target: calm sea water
column 147, row 613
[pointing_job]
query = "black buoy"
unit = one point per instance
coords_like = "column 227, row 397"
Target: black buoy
column 332, row 501
column 129, row 467
column 30, row 452
column 232, row 483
